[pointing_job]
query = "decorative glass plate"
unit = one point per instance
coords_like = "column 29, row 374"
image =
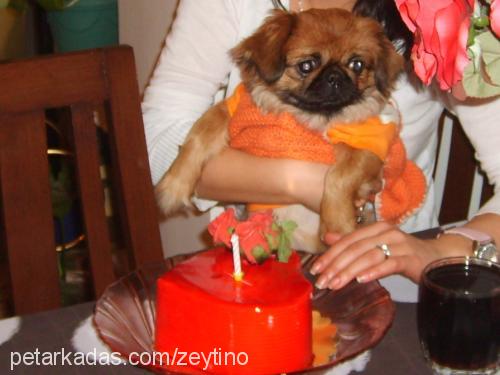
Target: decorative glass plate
column 125, row 314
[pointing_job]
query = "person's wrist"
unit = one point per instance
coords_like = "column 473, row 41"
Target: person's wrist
column 290, row 186
column 305, row 182
column 449, row 245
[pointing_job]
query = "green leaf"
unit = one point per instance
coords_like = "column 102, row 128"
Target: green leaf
column 481, row 22
column 471, row 36
column 490, row 47
column 285, row 237
column 272, row 241
column 284, row 250
column 288, row 227
column 260, row 254
column 486, row 58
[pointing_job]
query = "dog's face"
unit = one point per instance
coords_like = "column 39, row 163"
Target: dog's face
column 320, row 65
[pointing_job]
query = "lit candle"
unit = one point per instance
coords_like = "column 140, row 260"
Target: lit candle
column 235, row 242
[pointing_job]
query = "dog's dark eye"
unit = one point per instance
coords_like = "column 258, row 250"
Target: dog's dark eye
column 356, row 65
column 307, row 66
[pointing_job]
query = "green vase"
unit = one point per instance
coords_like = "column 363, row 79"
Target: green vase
column 87, row 24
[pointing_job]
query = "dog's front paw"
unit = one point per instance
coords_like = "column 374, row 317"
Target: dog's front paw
column 173, row 194
column 343, row 226
column 337, row 214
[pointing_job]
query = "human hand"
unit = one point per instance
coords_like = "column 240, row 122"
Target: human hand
column 356, row 256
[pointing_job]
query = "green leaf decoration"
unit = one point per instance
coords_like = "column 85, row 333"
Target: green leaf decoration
column 272, row 241
column 471, row 35
column 490, row 46
column 288, row 226
column 284, row 250
column 260, row 254
column 486, row 60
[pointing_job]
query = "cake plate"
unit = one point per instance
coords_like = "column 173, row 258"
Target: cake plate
column 125, row 314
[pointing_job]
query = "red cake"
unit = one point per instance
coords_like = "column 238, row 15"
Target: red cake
column 260, row 325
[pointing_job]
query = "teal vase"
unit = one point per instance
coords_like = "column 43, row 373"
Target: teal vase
column 87, row 24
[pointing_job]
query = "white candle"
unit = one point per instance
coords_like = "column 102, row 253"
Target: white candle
column 235, row 242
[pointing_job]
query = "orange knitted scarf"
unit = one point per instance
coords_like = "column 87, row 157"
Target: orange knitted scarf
column 282, row 136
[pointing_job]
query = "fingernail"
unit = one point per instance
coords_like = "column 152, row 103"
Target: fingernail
column 361, row 279
column 365, row 278
column 321, row 283
column 315, row 269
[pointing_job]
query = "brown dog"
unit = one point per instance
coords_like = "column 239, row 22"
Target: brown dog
column 321, row 66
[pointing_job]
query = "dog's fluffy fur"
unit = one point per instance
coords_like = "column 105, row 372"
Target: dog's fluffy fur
column 322, row 66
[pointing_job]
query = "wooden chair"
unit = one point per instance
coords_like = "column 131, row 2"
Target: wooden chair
column 87, row 83
column 460, row 185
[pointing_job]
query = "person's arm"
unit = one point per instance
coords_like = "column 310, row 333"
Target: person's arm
column 235, row 176
column 192, row 67
column 479, row 119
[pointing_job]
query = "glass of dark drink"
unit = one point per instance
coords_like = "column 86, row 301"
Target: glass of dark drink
column 459, row 316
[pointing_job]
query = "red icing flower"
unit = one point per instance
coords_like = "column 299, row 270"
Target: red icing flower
column 223, row 227
column 441, row 29
column 258, row 237
column 253, row 235
column 495, row 17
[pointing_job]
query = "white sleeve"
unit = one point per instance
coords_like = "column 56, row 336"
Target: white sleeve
column 192, row 67
column 480, row 120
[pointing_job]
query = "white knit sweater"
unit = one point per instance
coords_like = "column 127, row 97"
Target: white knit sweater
column 195, row 70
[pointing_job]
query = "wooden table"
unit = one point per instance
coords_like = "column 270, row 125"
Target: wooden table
column 398, row 353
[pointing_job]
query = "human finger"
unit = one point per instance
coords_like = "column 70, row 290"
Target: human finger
column 409, row 259
column 345, row 241
column 357, row 256
column 370, row 259
column 383, row 269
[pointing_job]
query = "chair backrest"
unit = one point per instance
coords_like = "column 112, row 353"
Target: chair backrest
column 460, row 186
column 84, row 83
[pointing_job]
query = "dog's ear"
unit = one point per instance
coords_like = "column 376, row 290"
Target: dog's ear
column 388, row 67
column 263, row 50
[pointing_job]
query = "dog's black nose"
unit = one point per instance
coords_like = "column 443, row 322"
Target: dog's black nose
column 335, row 78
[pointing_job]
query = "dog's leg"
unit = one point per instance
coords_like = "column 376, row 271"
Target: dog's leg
column 355, row 175
column 208, row 137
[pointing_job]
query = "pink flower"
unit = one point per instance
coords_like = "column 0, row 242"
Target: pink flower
column 223, row 227
column 440, row 28
column 253, row 235
column 495, row 17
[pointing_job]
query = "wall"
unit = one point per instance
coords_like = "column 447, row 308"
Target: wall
column 144, row 25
